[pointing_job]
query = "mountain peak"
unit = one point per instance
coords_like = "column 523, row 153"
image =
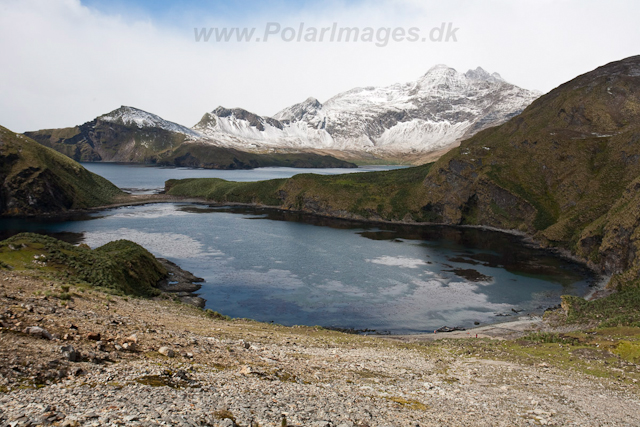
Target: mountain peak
column 439, row 71
column 312, row 102
column 131, row 116
column 481, row 74
column 308, row 107
column 439, row 68
column 441, row 107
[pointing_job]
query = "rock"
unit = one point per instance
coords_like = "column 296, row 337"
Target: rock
column 129, row 346
column 321, row 424
column 93, row 336
column 37, row 331
column 448, row 329
column 226, row 423
column 248, row 370
column 69, row 353
column 166, row 351
column 93, row 358
column 131, row 339
column 182, row 375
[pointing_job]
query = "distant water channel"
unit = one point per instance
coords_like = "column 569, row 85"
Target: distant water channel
column 300, row 269
column 142, row 179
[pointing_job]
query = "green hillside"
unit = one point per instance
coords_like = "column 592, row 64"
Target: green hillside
column 38, row 180
column 121, row 266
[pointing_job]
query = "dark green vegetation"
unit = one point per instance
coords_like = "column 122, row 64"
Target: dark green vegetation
column 393, row 195
column 109, row 140
column 120, row 267
column 621, row 308
column 566, row 171
column 35, row 180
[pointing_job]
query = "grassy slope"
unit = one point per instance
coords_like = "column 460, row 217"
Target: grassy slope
column 390, row 195
column 121, row 267
column 35, row 179
column 570, row 164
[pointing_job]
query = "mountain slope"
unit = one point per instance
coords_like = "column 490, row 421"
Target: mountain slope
column 432, row 113
column 566, row 170
column 132, row 135
column 563, row 163
column 35, row 179
column 123, row 135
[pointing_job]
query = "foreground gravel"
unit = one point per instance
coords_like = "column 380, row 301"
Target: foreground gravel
column 112, row 361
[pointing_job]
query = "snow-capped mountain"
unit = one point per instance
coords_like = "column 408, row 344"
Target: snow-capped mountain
column 131, row 135
column 129, row 116
column 434, row 112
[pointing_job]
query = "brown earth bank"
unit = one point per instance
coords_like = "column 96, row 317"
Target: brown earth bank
column 83, row 357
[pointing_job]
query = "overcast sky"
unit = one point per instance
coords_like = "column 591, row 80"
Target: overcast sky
column 64, row 62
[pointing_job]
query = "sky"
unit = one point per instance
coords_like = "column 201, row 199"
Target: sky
column 65, row 62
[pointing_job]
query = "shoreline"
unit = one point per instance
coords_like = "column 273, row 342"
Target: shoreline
column 517, row 326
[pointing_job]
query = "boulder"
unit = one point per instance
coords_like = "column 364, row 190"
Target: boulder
column 70, row 353
column 39, row 332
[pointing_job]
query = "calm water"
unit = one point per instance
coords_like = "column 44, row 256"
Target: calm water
column 297, row 269
column 141, row 179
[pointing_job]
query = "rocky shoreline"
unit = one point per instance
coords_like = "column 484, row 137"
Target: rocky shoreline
column 183, row 284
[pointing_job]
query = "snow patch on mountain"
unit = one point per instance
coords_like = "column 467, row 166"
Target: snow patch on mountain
column 130, row 116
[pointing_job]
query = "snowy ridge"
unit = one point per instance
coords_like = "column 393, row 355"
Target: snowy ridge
column 440, row 108
column 132, row 116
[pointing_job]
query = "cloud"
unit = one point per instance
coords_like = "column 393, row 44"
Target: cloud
column 65, row 63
